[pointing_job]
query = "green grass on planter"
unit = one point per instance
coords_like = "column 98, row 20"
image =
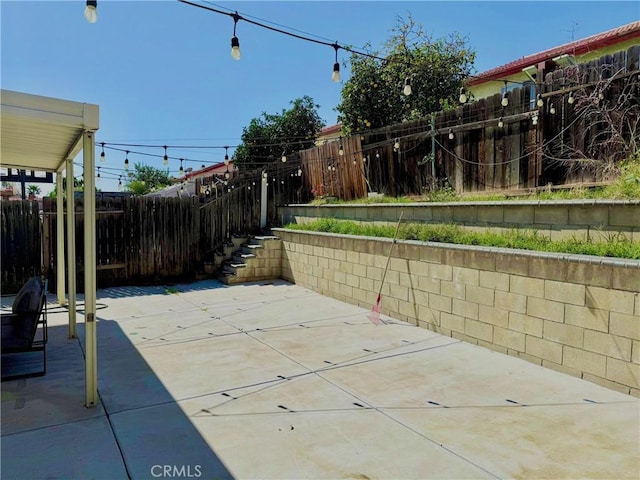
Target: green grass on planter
column 615, row 245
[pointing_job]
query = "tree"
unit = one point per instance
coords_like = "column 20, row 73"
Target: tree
column 270, row 136
column 78, row 186
column 373, row 96
column 33, row 190
column 145, row 178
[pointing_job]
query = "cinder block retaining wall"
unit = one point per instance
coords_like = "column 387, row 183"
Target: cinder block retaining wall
column 556, row 219
column 572, row 313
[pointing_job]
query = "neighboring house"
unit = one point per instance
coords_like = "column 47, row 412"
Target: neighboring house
column 189, row 184
column 329, row 134
column 532, row 68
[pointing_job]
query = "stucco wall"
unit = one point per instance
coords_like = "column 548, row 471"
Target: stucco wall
column 572, row 313
column 598, row 219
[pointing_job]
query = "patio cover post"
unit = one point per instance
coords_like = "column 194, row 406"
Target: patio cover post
column 60, row 279
column 71, row 249
column 91, row 366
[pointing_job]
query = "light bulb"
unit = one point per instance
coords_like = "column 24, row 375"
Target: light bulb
column 340, row 150
column 463, row 96
column 299, row 172
column 102, row 157
column 601, row 96
column 505, row 100
column 534, row 120
column 284, row 158
column 227, row 174
column 450, row 134
column 165, row 161
column 552, row 109
column 126, row 160
column 571, row 98
column 396, row 145
column 264, row 174
column 500, row 123
column 540, row 101
column 407, row 87
column 226, row 160
column 335, row 76
column 235, row 48
column 91, row 12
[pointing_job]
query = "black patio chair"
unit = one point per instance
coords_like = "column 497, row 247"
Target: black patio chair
column 20, row 329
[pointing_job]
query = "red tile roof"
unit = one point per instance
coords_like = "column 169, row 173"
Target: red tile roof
column 579, row 47
column 330, row 129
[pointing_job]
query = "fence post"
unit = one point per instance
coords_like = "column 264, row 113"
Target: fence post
column 263, row 203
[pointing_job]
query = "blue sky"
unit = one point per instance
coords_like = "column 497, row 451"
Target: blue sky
column 162, row 73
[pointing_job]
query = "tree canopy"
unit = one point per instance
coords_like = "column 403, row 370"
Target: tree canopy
column 145, row 178
column 435, row 68
column 269, row 136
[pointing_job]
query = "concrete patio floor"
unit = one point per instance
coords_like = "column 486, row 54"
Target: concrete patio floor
column 273, row 381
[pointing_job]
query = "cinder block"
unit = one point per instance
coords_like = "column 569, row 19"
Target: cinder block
column 509, row 338
column 609, row 345
column 398, row 264
column 442, row 272
column 455, row 323
column 589, row 215
column 490, row 214
column 340, row 255
column 551, row 215
column 591, row 318
column 526, row 324
column 613, row 300
column 494, row 316
column 465, row 213
column 626, row 279
column 480, row 260
column 464, row 338
column 624, row 325
column 407, row 280
column 607, row 383
column 399, row 292
column 525, row 356
column 543, row 349
column 441, row 303
column 514, row 264
column 374, row 273
column 549, row 269
column 492, row 346
column 589, row 274
column 431, row 285
column 511, row 302
column 353, row 281
column 468, row 276
column 417, row 267
column 564, row 292
column 546, row 309
column 427, row 315
column 564, row 334
column 623, row 372
column 624, row 215
column 465, row 309
column 635, row 351
column 442, row 214
column 494, row 280
column 366, row 284
column 531, row 287
column 345, row 267
column 574, row 372
column 593, row 363
column 419, row 297
column 409, row 309
column 518, row 214
column 453, row 289
column 480, row 295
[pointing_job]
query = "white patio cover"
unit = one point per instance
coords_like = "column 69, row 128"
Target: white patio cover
column 45, row 134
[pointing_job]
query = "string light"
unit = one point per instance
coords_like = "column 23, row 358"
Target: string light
column 102, row 157
column 120, row 183
column 571, row 98
column 126, row 160
column 552, row 109
column 539, row 101
column 98, row 175
column 235, row 43
column 450, row 134
column 181, row 171
column 226, row 156
column 165, row 160
column 534, row 119
column 500, row 123
column 227, row 174
column 284, row 157
column 505, row 100
column 463, row 95
column 335, row 76
column 299, row 172
column 340, row 150
column 377, row 154
column 407, row 87
column 396, row 145
column 91, row 12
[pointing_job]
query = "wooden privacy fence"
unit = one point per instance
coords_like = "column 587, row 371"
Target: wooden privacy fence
column 469, row 149
column 21, row 244
column 151, row 240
